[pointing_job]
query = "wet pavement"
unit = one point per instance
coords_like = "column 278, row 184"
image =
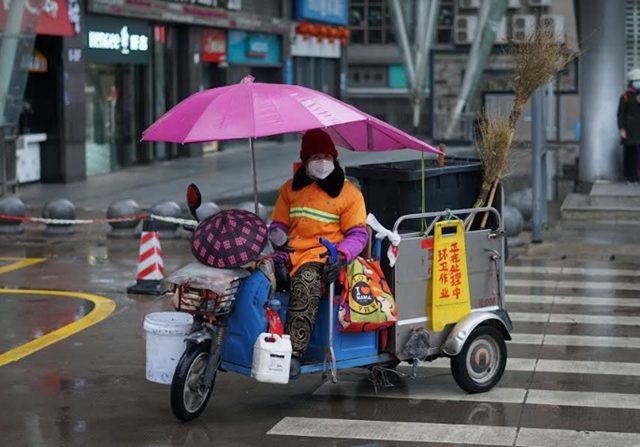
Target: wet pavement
column 573, row 376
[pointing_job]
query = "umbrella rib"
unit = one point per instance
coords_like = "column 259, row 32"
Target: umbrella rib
column 351, row 147
column 391, row 136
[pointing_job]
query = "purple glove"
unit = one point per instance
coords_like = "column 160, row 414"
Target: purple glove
column 281, row 257
column 355, row 239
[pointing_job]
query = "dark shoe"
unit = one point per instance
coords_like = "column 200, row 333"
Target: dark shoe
column 294, row 367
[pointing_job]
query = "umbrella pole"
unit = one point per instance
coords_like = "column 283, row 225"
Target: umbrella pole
column 255, row 177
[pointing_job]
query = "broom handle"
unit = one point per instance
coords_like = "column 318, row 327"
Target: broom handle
column 514, row 114
column 492, row 195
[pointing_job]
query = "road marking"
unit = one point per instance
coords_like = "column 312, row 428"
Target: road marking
column 103, row 307
column 584, row 399
column 430, row 390
column 572, row 300
column 570, row 271
column 553, row 283
column 394, row 431
column 448, row 433
column 18, row 263
column 575, row 340
column 545, row 437
column 557, row 366
column 541, row 317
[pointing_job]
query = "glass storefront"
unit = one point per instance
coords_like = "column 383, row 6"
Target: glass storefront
column 117, row 92
column 115, row 111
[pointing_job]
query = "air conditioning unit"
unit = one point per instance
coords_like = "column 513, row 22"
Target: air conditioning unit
column 554, row 22
column 514, row 4
column 464, row 29
column 468, row 4
column 538, row 3
column 522, row 27
column 501, row 32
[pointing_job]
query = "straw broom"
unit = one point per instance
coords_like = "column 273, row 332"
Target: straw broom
column 537, row 61
column 494, row 143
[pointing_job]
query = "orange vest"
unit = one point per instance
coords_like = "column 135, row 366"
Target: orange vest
column 310, row 213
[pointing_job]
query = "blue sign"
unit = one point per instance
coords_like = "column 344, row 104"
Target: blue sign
column 246, row 48
column 330, row 11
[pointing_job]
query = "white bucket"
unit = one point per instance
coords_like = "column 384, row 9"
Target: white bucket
column 271, row 358
column 166, row 332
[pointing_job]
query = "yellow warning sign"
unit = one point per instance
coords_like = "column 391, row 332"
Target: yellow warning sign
column 450, row 298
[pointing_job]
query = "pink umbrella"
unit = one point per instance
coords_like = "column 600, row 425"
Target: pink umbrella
column 252, row 109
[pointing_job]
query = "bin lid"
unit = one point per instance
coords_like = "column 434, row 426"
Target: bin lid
column 411, row 170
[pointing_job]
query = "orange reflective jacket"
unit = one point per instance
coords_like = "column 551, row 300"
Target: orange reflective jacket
column 310, row 213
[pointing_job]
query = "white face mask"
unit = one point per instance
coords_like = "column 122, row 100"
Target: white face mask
column 320, row 169
column 636, row 85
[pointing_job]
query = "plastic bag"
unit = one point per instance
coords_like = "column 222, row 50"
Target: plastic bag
column 366, row 303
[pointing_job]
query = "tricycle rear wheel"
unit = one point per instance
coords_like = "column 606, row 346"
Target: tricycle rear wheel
column 189, row 393
column 481, row 362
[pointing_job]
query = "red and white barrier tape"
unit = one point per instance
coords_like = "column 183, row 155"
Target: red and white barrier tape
column 49, row 221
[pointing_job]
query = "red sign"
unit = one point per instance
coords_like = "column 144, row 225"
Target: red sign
column 54, row 19
column 214, row 45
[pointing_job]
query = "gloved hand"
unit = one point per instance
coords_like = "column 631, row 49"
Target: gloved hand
column 283, row 280
column 332, row 270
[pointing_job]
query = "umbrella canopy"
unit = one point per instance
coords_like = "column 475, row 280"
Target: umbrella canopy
column 253, row 109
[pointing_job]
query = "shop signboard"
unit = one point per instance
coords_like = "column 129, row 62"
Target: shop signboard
column 311, row 47
column 245, row 48
column 214, row 45
column 329, row 11
column 117, row 40
column 54, row 19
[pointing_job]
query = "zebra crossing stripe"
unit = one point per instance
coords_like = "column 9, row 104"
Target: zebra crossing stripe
column 572, row 300
column 541, row 317
column 394, row 431
column 584, row 399
column 558, row 366
column 571, row 271
column 448, row 433
column 575, row 340
column 431, row 391
column 554, row 283
column 449, row 392
column 544, row 437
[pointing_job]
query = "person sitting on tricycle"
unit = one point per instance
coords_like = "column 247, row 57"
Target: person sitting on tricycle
column 316, row 202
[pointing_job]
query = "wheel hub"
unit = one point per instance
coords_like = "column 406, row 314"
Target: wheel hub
column 482, row 359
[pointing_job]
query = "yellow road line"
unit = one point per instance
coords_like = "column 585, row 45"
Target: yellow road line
column 19, row 263
column 102, row 309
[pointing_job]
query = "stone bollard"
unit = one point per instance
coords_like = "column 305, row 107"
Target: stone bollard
column 59, row 209
column 523, row 200
column 262, row 210
column 513, row 223
column 167, row 208
column 206, row 209
column 127, row 228
column 11, row 206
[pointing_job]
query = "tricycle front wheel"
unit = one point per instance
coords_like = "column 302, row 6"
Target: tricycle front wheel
column 481, row 362
column 189, row 392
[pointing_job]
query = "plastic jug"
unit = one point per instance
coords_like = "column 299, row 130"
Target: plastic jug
column 271, row 358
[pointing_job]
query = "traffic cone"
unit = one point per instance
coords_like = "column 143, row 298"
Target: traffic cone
column 150, row 265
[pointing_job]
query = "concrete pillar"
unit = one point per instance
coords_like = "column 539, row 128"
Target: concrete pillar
column 602, row 75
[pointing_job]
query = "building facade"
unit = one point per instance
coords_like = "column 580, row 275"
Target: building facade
column 377, row 80
column 118, row 65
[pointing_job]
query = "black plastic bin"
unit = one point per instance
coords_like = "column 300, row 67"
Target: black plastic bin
column 394, row 189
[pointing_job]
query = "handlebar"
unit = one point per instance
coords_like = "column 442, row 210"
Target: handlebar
column 332, row 250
